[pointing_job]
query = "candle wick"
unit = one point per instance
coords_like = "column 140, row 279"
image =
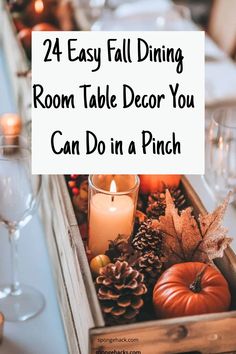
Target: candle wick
column 112, row 198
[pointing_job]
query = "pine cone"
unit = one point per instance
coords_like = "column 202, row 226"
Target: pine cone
column 140, row 217
column 150, row 265
column 119, row 249
column 157, row 203
column 120, row 290
column 148, row 239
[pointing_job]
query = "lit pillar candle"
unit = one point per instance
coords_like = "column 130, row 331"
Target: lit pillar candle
column 109, row 215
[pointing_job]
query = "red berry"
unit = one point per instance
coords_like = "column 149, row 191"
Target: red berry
column 75, row 191
column 72, row 184
column 73, row 176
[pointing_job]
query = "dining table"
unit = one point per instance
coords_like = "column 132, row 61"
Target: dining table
column 44, row 334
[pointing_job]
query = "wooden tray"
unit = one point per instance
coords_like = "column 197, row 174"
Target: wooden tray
column 84, row 325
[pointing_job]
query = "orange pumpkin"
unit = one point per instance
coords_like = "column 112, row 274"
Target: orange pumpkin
column 191, row 288
column 158, row 183
column 44, row 27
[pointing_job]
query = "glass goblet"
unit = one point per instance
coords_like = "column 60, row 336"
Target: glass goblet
column 20, row 191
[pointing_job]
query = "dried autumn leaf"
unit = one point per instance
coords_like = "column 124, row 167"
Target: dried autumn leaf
column 186, row 240
column 181, row 232
column 214, row 235
column 190, row 233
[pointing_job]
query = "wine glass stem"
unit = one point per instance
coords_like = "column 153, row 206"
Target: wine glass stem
column 106, row 4
column 13, row 238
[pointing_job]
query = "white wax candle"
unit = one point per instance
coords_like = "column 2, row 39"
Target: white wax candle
column 108, row 218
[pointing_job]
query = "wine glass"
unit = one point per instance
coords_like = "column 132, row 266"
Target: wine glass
column 20, row 191
column 221, row 153
column 176, row 18
column 143, row 15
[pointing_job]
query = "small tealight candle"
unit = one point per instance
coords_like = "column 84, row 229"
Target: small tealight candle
column 111, row 209
column 39, row 6
column 10, row 124
column 10, row 127
column 41, row 11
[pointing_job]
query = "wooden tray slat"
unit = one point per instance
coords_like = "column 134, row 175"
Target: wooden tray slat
column 79, row 253
column 207, row 334
column 62, row 294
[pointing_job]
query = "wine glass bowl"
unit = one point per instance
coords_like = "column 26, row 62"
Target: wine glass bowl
column 221, row 153
column 20, row 193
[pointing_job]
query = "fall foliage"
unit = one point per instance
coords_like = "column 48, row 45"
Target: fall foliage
column 187, row 239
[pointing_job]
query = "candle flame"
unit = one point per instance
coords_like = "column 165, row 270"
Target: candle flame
column 221, row 143
column 11, row 121
column 113, row 186
column 39, row 6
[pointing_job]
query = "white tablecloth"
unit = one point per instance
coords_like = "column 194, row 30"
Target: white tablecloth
column 43, row 334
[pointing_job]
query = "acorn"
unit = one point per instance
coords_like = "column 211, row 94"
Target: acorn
column 99, row 262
